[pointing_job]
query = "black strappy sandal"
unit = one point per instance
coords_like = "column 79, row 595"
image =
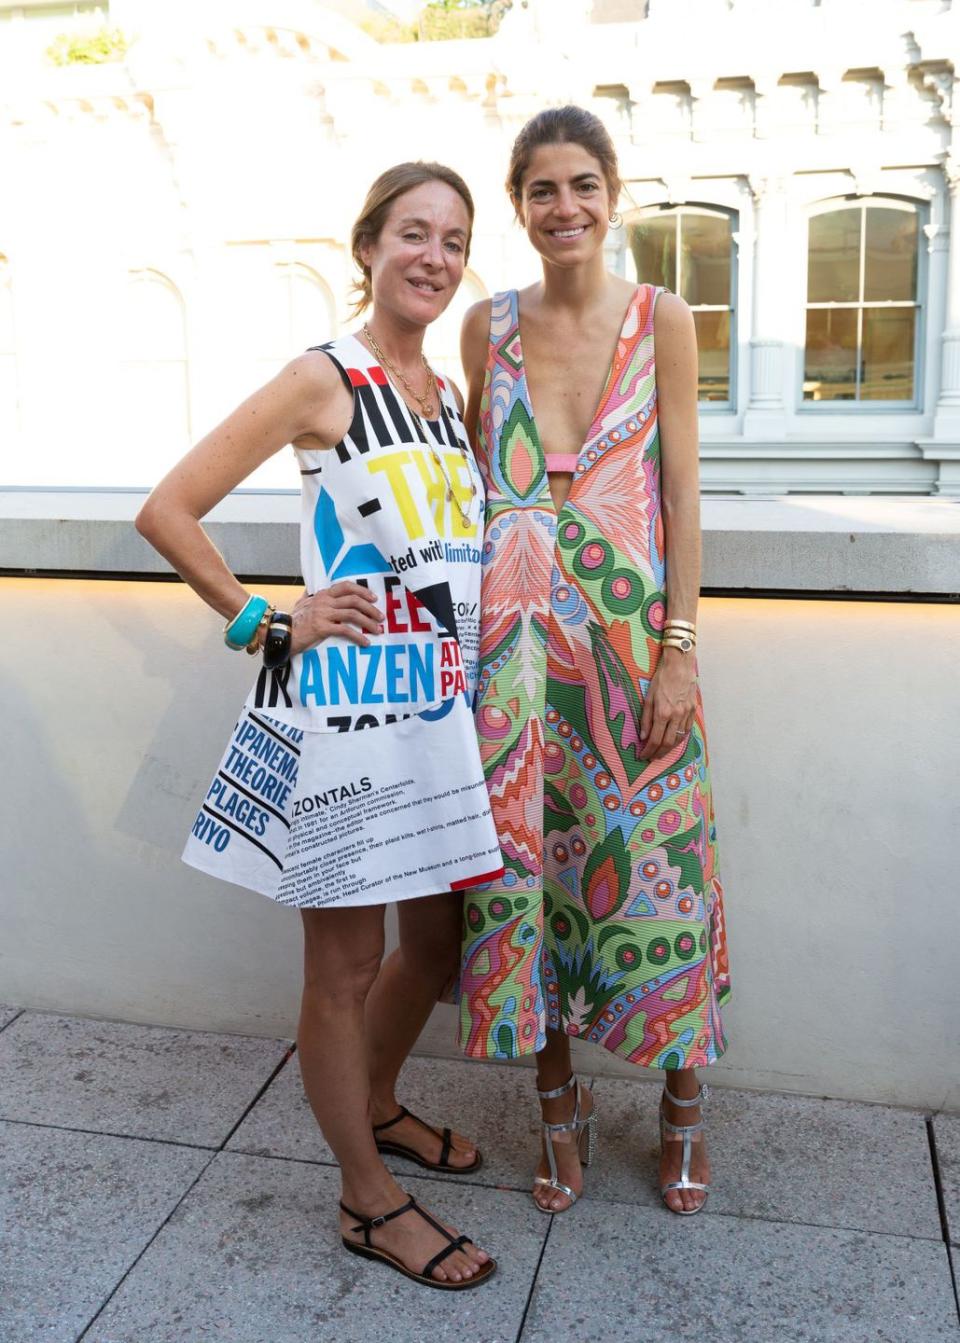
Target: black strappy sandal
column 370, row 1251
column 388, row 1148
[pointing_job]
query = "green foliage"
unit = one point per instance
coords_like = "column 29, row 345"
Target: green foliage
column 443, row 24
column 441, row 20
column 448, row 6
column 384, row 29
column 88, row 48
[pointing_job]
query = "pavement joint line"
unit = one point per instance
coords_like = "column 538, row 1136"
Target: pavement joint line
column 953, row 1274
column 61, row 1014
column 942, row 1208
column 770, row 1221
column 17, row 1013
column 130, row 1267
column 291, row 1049
column 418, row 1174
column 439, row 1178
column 533, row 1281
column 110, row 1133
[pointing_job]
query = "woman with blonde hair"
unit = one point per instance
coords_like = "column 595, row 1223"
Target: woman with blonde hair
column 352, row 779
column 607, row 923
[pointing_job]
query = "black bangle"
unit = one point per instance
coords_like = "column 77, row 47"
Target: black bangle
column 276, row 645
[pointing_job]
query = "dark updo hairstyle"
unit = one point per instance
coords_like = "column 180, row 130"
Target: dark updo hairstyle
column 562, row 126
column 388, row 187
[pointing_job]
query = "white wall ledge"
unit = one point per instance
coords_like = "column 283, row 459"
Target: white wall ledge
column 801, row 543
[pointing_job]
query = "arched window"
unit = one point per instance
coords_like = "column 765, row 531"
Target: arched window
column 306, row 310
column 689, row 249
column 295, row 310
column 286, row 308
column 863, row 302
column 155, row 411
column 9, row 408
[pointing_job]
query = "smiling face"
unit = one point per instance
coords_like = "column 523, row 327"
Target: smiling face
column 565, row 203
column 417, row 262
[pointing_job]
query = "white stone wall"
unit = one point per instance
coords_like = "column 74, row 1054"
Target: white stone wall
column 833, row 748
column 172, row 228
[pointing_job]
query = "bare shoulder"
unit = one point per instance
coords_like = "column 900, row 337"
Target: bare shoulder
column 313, row 386
column 474, row 335
column 476, row 320
column 621, row 290
column 673, row 322
column 313, row 374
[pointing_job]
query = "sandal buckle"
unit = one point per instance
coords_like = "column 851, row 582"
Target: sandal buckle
column 377, row 1221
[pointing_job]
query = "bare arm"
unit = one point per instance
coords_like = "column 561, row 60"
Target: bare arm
column 306, row 400
column 676, row 347
column 671, row 701
column 473, row 355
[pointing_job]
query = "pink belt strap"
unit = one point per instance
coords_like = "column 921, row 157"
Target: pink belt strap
column 562, row 461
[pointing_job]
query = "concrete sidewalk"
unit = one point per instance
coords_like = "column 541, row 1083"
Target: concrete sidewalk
column 161, row 1186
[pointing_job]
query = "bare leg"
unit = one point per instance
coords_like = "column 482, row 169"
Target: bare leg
column 403, row 996
column 342, row 951
column 554, row 1068
column 684, row 1084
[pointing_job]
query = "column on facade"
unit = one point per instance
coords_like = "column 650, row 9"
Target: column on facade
column 948, row 404
column 945, row 447
column 830, row 111
column 764, row 96
column 701, row 91
column 641, row 111
column 765, row 415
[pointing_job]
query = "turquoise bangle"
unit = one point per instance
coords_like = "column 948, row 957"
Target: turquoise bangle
column 238, row 632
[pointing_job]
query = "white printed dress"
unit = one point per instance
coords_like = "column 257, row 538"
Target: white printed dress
column 353, row 775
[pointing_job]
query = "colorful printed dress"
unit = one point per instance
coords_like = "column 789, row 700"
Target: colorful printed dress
column 608, row 920
column 352, row 776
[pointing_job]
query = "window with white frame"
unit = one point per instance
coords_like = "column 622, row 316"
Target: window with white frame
column 689, row 249
column 863, row 303
column 291, row 308
column 154, row 409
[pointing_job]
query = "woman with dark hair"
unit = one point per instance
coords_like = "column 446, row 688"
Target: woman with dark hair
column 607, row 923
column 302, row 808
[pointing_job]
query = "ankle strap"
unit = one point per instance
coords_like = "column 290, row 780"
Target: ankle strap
column 395, row 1120
column 682, row 1128
column 365, row 1223
column 560, row 1091
column 703, row 1094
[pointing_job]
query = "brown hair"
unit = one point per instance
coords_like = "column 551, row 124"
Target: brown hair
column 388, row 187
column 562, row 126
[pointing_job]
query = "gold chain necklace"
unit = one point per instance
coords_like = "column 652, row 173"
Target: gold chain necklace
column 452, row 497
column 426, row 400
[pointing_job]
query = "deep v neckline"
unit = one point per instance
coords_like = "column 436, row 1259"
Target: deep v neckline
column 604, row 392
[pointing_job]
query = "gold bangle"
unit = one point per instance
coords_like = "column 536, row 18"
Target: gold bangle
column 679, row 634
column 253, row 647
column 681, row 625
column 684, row 645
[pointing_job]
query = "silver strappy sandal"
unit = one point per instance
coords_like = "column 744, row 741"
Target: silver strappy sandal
column 686, row 1132
column 580, row 1127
